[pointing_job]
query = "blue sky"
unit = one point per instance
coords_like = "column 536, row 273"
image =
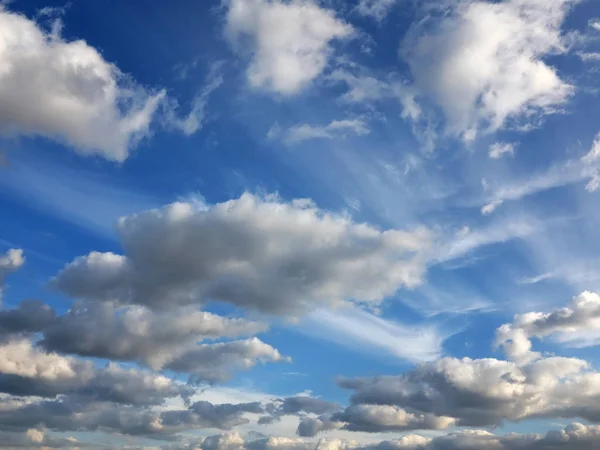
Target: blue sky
column 340, row 223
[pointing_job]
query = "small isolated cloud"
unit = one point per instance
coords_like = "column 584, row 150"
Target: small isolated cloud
column 289, row 42
column 466, row 62
column 304, row 132
column 12, row 260
column 491, row 207
column 595, row 24
column 377, row 9
column 501, row 149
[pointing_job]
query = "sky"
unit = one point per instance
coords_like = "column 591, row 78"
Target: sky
column 300, row 224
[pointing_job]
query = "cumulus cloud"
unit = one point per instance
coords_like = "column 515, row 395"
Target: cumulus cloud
column 304, row 132
column 576, row 325
column 487, row 392
column 135, row 333
column 71, row 414
column 573, row 437
column 290, row 42
column 382, row 418
column 484, row 62
column 27, row 371
column 259, row 253
column 66, row 90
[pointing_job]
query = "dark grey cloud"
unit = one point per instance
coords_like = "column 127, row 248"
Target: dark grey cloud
column 259, row 253
column 31, row 316
column 73, row 413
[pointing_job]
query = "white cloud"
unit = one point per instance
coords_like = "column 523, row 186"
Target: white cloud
column 376, row 9
column 12, row 260
column 303, row 132
column 577, row 325
column 195, row 119
column 362, row 331
column 485, row 392
column 290, row 42
column 483, row 64
column 500, row 149
column 67, row 91
column 260, row 253
column 595, row 24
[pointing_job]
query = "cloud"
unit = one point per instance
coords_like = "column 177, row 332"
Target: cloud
column 135, row 333
column 572, row 437
column 71, row 414
column 359, row 330
column 66, row 90
column 31, row 316
column 310, row 426
column 500, row 149
column 12, row 260
column 487, row 392
column 304, row 132
column 216, row 362
column 27, row 371
column 574, row 326
column 34, row 438
column 195, row 119
column 377, row 9
column 558, row 175
column 290, row 42
column 259, row 253
column 383, row 418
column 467, row 60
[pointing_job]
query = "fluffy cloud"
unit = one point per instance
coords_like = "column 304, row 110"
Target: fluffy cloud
column 217, row 362
column 135, row 333
column 484, row 392
column 68, row 91
column 26, row 371
column 382, row 418
column 290, row 41
column 260, row 253
column 576, row 326
column 484, row 63
column 304, row 132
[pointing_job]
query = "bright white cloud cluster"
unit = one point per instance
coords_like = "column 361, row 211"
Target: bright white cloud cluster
column 259, row 253
column 484, row 64
column 290, row 42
